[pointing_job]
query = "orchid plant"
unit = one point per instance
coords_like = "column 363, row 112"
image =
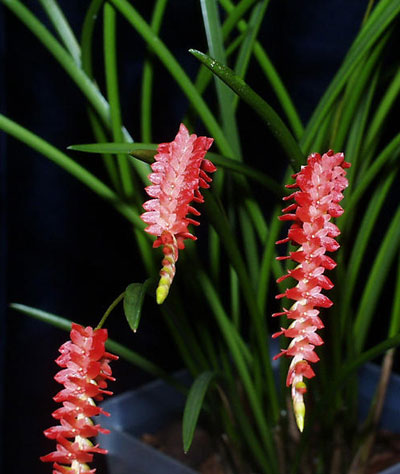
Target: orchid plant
column 218, row 308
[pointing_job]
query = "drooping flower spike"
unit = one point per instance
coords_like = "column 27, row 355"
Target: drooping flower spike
column 85, row 372
column 320, row 184
column 179, row 171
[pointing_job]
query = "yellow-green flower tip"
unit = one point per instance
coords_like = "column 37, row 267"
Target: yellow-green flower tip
column 162, row 289
column 299, row 412
column 161, row 294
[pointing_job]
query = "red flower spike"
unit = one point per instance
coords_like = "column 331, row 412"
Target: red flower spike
column 84, row 373
column 320, row 184
column 180, row 170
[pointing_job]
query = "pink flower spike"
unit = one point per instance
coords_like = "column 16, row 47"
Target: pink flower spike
column 84, row 373
column 320, row 185
column 180, row 170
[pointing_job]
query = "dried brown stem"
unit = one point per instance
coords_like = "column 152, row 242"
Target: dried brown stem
column 360, row 460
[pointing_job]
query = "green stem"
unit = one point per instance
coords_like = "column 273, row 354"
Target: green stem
column 109, row 309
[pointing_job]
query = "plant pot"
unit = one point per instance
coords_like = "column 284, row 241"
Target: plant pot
column 144, row 410
column 154, row 405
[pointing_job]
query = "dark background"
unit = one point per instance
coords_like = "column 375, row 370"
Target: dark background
column 65, row 251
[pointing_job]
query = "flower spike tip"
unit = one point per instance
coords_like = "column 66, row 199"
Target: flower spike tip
column 179, row 171
column 320, row 184
column 85, row 373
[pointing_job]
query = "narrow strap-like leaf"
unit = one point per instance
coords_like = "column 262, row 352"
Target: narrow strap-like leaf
column 215, row 43
column 125, row 353
column 193, row 406
column 89, row 23
column 270, row 73
column 146, row 151
column 382, row 16
column 246, row 48
column 63, row 28
column 65, row 162
column 158, row 47
column 383, row 260
column 147, row 75
column 259, row 105
column 111, row 75
column 89, row 89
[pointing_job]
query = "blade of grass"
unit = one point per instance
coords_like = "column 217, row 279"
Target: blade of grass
column 237, row 356
column 268, row 260
column 169, row 61
column 115, row 148
column 215, row 43
column 110, row 64
column 389, row 154
column 113, row 346
column 262, row 108
column 394, row 327
column 379, row 21
column 246, row 48
column 250, row 246
column 272, row 76
column 204, row 76
column 88, row 88
column 62, row 160
column 193, row 406
column 377, row 276
column 378, row 120
column 63, row 28
column 108, row 159
column 355, row 89
column 147, row 75
column 99, row 132
column 88, row 26
column 348, row 369
column 348, row 277
column 235, row 14
column 219, row 221
column 356, row 134
column 218, row 160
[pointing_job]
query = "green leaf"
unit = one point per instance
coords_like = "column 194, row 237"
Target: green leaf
column 111, row 75
column 382, row 16
column 63, row 28
column 88, row 88
column 246, row 48
column 258, row 104
column 215, row 43
column 267, row 68
column 88, row 26
column 148, row 75
column 193, row 406
column 112, row 147
column 146, row 151
column 377, row 276
column 76, row 170
column 176, row 71
column 133, row 302
column 113, row 346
